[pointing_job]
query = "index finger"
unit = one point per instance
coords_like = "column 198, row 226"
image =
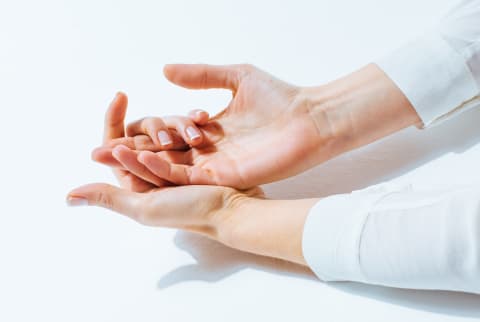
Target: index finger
column 115, row 117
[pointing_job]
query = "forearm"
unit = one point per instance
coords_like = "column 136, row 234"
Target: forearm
column 266, row 227
column 358, row 109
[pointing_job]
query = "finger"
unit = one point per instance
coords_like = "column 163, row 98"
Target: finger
column 186, row 128
column 128, row 159
column 114, row 130
column 115, row 116
column 200, row 117
column 153, row 127
column 161, row 138
column 126, row 179
column 140, row 142
column 107, row 196
column 104, row 155
column 176, row 173
column 131, row 182
column 186, row 132
column 201, row 76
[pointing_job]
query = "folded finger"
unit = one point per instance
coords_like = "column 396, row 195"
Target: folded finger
column 128, row 159
column 180, row 174
column 200, row 117
column 186, row 128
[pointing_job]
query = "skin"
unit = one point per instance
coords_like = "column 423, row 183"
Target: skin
column 245, row 220
column 270, row 130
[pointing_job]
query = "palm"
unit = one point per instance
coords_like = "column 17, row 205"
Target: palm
column 255, row 139
column 259, row 137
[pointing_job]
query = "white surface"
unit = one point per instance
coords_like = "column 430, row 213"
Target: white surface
column 62, row 61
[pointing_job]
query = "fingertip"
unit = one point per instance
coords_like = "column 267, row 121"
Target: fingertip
column 121, row 94
column 168, row 70
column 164, row 139
column 76, row 201
column 83, row 195
column 97, row 153
column 194, row 135
column 200, row 117
column 119, row 100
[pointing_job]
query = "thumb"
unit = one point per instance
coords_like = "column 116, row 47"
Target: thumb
column 201, row 76
column 106, row 196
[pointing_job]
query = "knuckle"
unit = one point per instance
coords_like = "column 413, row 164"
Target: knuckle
column 105, row 199
column 152, row 123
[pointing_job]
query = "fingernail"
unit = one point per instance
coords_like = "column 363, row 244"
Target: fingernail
column 114, row 99
column 164, row 138
column 192, row 133
column 77, row 201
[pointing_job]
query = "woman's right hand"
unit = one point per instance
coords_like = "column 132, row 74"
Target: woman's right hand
column 269, row 131
column 266, row 133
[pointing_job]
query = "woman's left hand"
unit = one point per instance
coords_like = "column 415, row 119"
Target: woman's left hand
column 201, row 209
column 243, row 220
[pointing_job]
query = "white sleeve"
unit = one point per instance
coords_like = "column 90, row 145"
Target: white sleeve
column 439, row 72
column 399, row 237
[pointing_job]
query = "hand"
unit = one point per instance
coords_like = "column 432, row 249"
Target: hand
column 202, row 209
column 240, row 219
column 269, row 131
column 265, row 134
column 121, row 160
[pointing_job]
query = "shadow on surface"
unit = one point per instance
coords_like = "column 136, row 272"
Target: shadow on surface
column 443, row 302
column 215, row 262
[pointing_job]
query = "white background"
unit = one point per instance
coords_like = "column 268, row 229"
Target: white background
column 60, row 64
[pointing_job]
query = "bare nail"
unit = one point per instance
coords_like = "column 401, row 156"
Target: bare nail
column 77, row 201
column 192, row 133
column 164, row 138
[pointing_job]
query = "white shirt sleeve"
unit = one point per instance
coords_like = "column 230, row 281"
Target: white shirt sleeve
column 399, row 237
column 439, row 72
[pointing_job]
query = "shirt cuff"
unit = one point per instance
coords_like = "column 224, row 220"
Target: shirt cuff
column 433, row 76
column 332, row 233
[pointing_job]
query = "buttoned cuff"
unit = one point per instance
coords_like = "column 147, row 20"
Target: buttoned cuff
column 433, row 76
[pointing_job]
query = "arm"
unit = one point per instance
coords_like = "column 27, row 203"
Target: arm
column 387, row 236
column 241, row 220
column 307, row 126
column 428, row 80
column 439, row 72
column 400, row 237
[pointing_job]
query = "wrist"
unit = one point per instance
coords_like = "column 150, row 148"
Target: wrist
column 357, row 109
column 265, row 227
